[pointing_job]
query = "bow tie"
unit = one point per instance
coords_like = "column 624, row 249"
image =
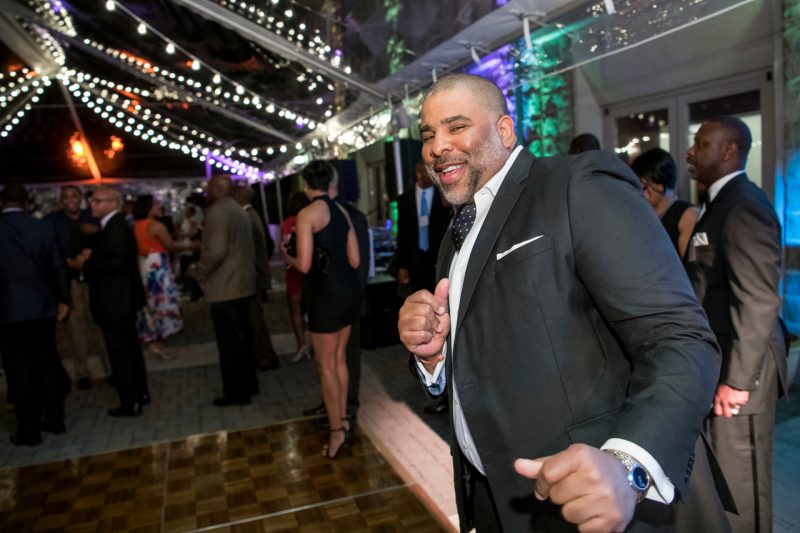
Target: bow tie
column 463, row 223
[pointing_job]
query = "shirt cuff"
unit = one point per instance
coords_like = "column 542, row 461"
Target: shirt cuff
column 661, row 488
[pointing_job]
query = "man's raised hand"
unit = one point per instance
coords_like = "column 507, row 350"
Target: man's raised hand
column 424, row 322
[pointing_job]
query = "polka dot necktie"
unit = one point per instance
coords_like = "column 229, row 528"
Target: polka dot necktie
column 463, row 223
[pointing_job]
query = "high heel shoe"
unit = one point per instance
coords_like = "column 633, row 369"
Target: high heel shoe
column 302, row 352
column 326, row 449
column 350, row 430
column 162, row 352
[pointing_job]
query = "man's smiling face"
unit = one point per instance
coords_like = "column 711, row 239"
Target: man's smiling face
column 462, row 145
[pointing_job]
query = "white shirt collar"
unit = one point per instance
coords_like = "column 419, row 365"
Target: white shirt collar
column 105, row 219
column 12, row 210
column 717, row 186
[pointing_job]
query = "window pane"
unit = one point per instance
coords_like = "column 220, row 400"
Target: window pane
column 639, row 132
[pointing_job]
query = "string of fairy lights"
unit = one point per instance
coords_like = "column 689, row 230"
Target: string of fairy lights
column 127, row 107
column 220, row 85
column 55, row 14
column 213, row 92
column 20, row 100
column 281, row 21
column 131, row 117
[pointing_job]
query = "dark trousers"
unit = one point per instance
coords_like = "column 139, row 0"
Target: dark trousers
column 262, row 341
column 479, row 503
column 36, row 378
column 743, row 446
column 353, row 359
column 234, row 331
column 126, row 359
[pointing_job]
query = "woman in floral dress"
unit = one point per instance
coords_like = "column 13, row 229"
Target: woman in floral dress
column 161, row 318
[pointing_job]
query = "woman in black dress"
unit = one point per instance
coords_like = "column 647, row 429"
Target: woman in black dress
column 327, row 254
column 657, row 171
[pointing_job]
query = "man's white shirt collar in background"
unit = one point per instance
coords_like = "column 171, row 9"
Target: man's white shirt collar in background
column 105, row 219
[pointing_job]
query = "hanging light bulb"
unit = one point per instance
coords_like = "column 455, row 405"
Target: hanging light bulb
column 142, row 29
column 110, row 6
column 217, row 78
column 170, row 48
column 195, row 64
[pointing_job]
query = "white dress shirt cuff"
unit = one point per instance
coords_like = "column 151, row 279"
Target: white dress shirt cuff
column 431, row 379
column 661, row 488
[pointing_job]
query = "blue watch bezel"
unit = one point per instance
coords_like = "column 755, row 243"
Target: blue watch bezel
column 639, row 478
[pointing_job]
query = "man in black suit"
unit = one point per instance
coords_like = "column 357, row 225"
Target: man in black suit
column 734, row 263
column 563, row 327
column 422, row 221
column 116, row 294
column 33, row 295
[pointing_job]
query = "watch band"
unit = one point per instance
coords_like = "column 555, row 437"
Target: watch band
column 638, row 476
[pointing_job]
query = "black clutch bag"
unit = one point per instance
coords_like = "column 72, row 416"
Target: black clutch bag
column 291, row 245
column 321, row 256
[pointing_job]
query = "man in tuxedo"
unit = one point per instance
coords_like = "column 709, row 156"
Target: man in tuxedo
column 115, row 296
column 579, row 364
column 227, row 270
column 33, row 295
column 734, row 263
column 266, row 357
column 422, row 221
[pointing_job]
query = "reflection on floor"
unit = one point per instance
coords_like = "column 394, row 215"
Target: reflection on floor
column 266, row 479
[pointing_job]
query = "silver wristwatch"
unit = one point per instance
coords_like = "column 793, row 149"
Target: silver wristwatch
column 638, row 477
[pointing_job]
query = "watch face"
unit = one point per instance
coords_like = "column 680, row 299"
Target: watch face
column 640, row 478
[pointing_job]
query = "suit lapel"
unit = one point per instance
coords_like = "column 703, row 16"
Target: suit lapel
column 496, row 218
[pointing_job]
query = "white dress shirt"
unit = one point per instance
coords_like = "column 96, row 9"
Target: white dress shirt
column 661, row 490
column 105, row 219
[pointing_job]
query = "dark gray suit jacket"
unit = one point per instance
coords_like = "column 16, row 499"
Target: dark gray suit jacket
column 588, row 332
column 33, row 275
column 734, row 263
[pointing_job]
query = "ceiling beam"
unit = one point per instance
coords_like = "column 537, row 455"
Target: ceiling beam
column 23, row 45
column 275, row 43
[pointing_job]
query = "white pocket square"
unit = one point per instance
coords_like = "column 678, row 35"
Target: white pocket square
column 518, row 245
column 700, row 239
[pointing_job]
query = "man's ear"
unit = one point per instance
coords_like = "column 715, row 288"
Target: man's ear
column 505, row 128
column 731, row 151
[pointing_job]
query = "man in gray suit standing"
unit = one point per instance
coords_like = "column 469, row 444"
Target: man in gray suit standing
column 228, row 273
column 734, row 264
column 578, row 361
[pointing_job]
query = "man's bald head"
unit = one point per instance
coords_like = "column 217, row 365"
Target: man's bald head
column 104, row 201
column 243, row 194
column 485, row 90
column 219, row 186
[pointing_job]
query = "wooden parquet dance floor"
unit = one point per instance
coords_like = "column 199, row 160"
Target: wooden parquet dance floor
column 267, row 479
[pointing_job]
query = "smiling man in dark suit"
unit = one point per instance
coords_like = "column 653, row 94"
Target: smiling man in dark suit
column 734, row 263
column 563, row 324
column 116, row 294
